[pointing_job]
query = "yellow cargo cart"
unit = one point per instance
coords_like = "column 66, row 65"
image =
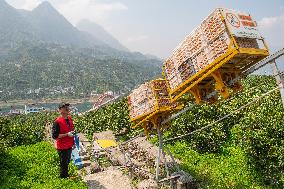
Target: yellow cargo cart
column 219, row 74
column 161, row 111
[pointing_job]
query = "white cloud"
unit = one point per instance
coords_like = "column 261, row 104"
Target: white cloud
column 268, row 22
column 76, row 10
column 272, row 29
column 137, row 38
column 30, row 4
column 111, row 6
column 24, row 4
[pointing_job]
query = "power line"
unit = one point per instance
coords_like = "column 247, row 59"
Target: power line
column 192, row 105
column 177, row 114
column 237, row 110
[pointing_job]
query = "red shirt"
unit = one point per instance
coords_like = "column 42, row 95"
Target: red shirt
column 64, row 127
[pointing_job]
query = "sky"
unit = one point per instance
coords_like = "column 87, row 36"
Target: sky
column 157, row 26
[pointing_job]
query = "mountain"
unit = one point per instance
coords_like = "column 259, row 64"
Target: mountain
column 45, row 24
column 99, row 32
column 14, row 28
column 42, row 24
column 48, row 67
column 40, row 49
column 150, row 56
column 53, row 27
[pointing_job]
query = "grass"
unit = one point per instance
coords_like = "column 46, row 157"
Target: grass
column 35, row 167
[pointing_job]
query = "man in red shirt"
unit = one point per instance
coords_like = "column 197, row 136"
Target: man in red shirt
column 63, row 133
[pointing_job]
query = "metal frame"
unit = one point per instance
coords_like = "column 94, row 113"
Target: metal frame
column 212, row 71
column 154, row 118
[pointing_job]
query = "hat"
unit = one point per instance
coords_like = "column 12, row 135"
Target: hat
column 63, row 105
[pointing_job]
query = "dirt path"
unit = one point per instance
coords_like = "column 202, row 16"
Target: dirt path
column 112, row 178
column 137, row 158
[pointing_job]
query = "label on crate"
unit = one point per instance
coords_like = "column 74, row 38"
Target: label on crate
column 241, row 24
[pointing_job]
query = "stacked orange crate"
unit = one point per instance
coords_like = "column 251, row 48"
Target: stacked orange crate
column 183, row 67
column 215, row 36
column 180, row 73
column 213, row 26
column 202, row 59
column 219, row 46
column 144, row 99
column 171, row 73
column 208, row 42
column 189, row 41
column 169, row 68
column 182, row 53
column 247, row 42
column 194, row 42
column 177, row 56
column 141, row 101
column 185, row 71
column 161, row 92
column 175, row 81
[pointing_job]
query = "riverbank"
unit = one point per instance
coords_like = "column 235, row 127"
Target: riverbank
column 44, row 101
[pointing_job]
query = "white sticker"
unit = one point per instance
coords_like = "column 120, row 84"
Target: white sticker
column 241, row 24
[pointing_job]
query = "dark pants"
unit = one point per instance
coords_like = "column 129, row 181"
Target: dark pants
column 65, row 157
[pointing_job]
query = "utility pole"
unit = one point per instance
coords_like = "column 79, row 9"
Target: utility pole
column 279, row 79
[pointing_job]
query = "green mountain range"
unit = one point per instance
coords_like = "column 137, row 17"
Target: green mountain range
column 41, row 50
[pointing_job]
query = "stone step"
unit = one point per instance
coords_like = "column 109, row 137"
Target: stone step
column 82, row 137
column 93, row 168
column 87, row 144
column 112, row 178
column 102, row 153
column 86, row 163
column 82, row 153
column 85, row 157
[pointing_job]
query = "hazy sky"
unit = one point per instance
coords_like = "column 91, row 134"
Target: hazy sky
column 157, row 26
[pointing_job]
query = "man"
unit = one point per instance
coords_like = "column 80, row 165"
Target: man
column 63, row 133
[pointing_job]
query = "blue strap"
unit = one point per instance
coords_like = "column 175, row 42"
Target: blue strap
column 76, row 158
column 76, row 139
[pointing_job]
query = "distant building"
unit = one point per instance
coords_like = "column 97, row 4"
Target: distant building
column 33, row 109
column 37, row 91
column 16, row 112
column 110, row 93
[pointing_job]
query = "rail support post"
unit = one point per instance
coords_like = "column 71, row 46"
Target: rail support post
column 160, row 150
column 161, row 153
column 279, row 79
column 220, row 86
column 195, row 91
